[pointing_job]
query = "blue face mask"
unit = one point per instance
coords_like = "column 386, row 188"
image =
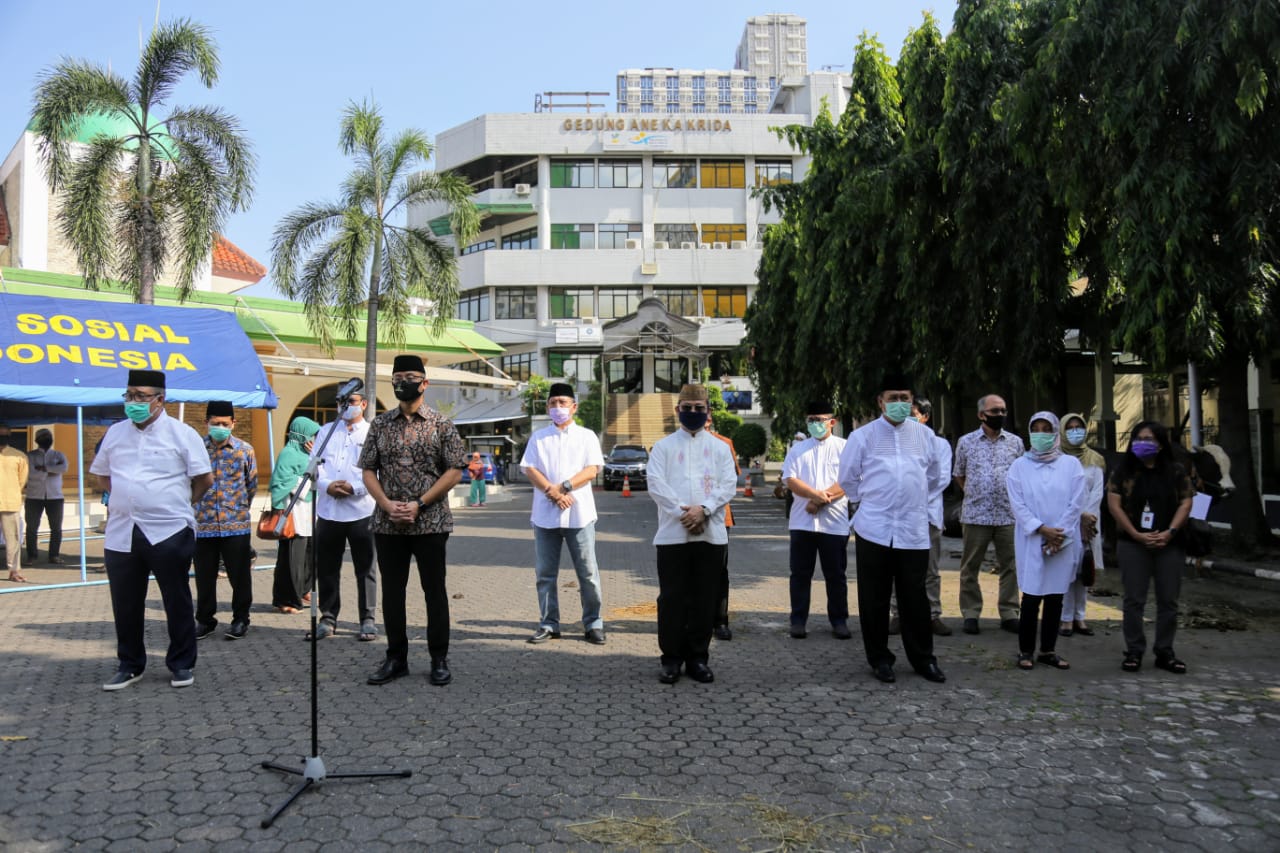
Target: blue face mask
column 897, row 412
column 1042, row 442
column 137, row 412
column 219, row 434
column 818, row 429
column 1076, row 436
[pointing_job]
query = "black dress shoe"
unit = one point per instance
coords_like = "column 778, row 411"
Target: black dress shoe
column 798, row 632
column 595, row 637
column 884, row 672
column 237, row 631
column 670, row 673
column 841, row 632
column 544, row 634
column 723, row 633
column 1010, row 625
column 203, row 631
column 389, row 671
column 932, row 673
column 440, row 674
column 700, row 672
column 971, row 626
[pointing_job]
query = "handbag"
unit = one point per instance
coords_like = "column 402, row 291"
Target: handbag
column 1196, row 538
column 1088, row 571
column 268, row 521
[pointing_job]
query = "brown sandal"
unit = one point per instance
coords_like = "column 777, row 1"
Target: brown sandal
column 1051, row 659
column 1025, row 661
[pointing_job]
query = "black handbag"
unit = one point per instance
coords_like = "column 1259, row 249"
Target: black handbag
column 1088, row 571
column 1196, row 538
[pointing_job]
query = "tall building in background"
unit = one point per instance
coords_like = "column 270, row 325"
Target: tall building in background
column 773, row 48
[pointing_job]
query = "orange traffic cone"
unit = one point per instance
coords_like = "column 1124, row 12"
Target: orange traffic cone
column 747, row 493
column 626, row 486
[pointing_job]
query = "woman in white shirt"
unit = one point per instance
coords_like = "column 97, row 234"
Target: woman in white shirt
column 1046, row 493
column 1074, row 432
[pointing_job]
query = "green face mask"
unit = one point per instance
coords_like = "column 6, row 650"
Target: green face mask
column 897, row 412
column 1042, row 442
column 137, row 412
column 219, row 434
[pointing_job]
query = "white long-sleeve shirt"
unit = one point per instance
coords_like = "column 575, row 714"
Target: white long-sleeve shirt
column 1052, row 494
column 341, row 462
column 687, row 471
column 891, row 473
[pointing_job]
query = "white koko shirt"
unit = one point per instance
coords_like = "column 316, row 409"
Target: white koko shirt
column 817, row 464
column 691, row 470
column 891, row 474
column 340, row 462
column 559, row 454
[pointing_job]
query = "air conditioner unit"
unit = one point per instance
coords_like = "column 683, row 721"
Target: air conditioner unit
column 633, row 244
column 588, row 321
column 686, row 245
column 661, row 244
column 738, row 244
column 523, row 189
column 706, row 246
column 719, row 245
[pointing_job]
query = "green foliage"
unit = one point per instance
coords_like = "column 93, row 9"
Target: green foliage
column 777, row 451
column 751, row 440
column 535, row 395
column 154, row 195
column 726, row 423
column 591, row 409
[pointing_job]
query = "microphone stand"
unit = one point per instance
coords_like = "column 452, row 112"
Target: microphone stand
column 313, row 770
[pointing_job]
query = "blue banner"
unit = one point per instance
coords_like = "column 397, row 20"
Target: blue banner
column 78, row 352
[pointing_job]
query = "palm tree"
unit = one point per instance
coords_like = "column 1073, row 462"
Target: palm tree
column 147, row 192
column 342, row 258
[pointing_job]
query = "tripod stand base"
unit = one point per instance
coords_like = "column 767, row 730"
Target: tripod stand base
column 313, row 772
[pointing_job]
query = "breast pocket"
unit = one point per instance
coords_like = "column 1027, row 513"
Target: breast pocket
column 162, row 465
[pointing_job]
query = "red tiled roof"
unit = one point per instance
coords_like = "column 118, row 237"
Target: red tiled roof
column 230, row 261
column 4, row 224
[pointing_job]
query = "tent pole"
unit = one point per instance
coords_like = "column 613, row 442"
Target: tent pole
column 84, row 572
column 271, row 442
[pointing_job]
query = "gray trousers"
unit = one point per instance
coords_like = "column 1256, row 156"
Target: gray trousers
column 1139, row 566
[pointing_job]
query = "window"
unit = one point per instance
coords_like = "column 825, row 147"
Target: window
column 478, row 247
column 615, row 236
column 773, row 84
column 515, row 303
column 681, row 301
column 620, row 173
column 699, row 108
column 525, row 173
column 723, row 85
column 724, row 301
column 773, row 172
column 675, row 174
column 699, row 90
column 526, row 239
column 669, row 374
column 618, row 302
column 626, row 375
column 723, row 174
column 476, row 366
column 573, row 173
column 568, row 303
column 474, row 307
column 726, row 108
column 749, row 108
column 519, row 367
column 644, row 108
column 673, row 107
column 646, row 90
column 749, row 89
column 673, row 90
column 675, row 233
column 573, row 366
column 318, row 405
column 622, row 87
column 723, row 233
column 573, row 236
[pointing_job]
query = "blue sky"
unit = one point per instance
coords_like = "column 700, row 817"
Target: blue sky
column 289, row 67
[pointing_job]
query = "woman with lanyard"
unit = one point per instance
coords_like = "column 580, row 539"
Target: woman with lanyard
column 1149, row 496
column 1074, row 432
column 1046, row 493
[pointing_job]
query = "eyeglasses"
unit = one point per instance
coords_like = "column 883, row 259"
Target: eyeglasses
column 412, row 378
column 817, row 419
column 695, row 407
column 135, row 397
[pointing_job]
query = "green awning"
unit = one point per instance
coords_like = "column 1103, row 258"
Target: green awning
column 440, row 225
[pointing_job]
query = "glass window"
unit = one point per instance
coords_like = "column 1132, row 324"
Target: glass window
column 669, row 374
column 699, row 107
column 726, row 108
column 626, row 375
column 618, row 302
column 681, row 301
column 676, row 174
column 568, row 303
column 526, row 239
column 673, row 89
column 573, row 173
column 644, row 108
column 519, row 367
column 614, row 235
column 724, row 301
column 515, row 303
column 723, row 85
column 673, row 107
column 525, row 173
column 749, row 108
column 723, row 174
column 476, row 366
column 474, row 307
column 573, row 236
column 699, row 89
column 620, row 173
column 772, row 172
column 675, row 233
column 723, row 232
column 749, row 87
column 622, row 87
column 477, row 247
column 572, row 366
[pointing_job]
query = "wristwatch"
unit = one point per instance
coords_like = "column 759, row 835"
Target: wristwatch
column 421, row 504
column 566, row 486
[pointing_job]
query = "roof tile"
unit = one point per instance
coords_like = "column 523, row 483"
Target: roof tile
column 230, row 261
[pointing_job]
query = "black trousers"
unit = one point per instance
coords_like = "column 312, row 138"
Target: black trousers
column 428, row 550
column 52, row 508
column 881, row 569
column 332, row 538
column 169, row 560
column 235, row 554
column 284, row 591
column 1048, row 629
column 688, row 584
column 808, row 546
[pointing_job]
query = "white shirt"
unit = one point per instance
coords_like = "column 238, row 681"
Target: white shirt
column 558, row 454
column 151, row 471
column 691, row 470
column 891, row 474
column 936, row 515
column 1048, row 493
column 817, row 464
column 45, row 485
column 340, row 462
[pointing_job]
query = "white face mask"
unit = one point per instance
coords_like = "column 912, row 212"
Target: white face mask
column 351, row 412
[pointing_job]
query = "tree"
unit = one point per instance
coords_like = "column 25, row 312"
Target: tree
column 751, row 441
column 534, row 395
column 591, row 408
column 342, row 258
column 147, row 192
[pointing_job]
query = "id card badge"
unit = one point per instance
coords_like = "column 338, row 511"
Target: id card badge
column 1148, row 518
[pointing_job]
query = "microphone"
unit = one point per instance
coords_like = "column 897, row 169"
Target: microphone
column 352, row 386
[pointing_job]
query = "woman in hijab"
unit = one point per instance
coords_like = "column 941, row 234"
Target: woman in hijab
column 1074, row 432
column 291, row 579
column 479, row 489
column 1046, row 492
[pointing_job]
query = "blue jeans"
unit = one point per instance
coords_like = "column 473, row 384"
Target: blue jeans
column 582, row 550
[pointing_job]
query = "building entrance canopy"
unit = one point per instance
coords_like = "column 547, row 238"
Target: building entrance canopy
column 652, row 330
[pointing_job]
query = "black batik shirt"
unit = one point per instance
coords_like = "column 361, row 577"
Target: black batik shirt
column 408, row 453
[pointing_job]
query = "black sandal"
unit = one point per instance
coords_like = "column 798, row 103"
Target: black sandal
column 1132, row 663
column 1171, row 664
column 1051, row 659
column 1025, row 661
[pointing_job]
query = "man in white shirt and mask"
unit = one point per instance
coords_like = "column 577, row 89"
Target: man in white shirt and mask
column 890, row 469
column 691, row 479
column 343, row 511
column 561, row 461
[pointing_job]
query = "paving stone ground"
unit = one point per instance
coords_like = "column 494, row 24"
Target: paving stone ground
column 573, row 746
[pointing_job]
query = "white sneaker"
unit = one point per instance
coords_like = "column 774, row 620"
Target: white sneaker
column 121, row 680
column 182, row 678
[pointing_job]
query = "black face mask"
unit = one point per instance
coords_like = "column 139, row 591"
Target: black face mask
column 407, row 391
column 996, row 422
